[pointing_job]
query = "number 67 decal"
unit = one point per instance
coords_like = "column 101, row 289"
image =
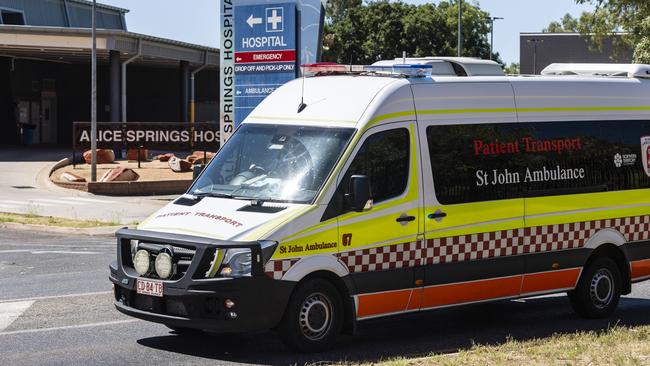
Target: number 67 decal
column 347, row 240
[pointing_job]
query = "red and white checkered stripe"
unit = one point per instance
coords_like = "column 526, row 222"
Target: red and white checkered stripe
column 503, row 243
column 277, row 268
column 500, row 243
column 388, row 257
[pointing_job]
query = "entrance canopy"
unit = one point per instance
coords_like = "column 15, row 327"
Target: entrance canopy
column 73, row 45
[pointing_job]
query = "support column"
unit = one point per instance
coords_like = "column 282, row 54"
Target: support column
column 115, row 85
column 185, row 91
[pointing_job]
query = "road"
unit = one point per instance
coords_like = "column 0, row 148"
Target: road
column 56, row 309
column 24, row 189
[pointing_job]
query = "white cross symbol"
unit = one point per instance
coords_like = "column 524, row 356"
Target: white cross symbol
column 274, row 19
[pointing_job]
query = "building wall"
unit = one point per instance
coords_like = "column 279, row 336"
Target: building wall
column 153, row 94
column 565, row 48
column 52, row 13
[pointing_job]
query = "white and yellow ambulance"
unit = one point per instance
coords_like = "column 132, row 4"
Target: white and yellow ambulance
column 397, row 188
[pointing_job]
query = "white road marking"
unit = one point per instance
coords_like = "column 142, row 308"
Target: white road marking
column 90, row 200
column 10, row 311
column 58, row 202
column 63, row 252
column 25, row 203
column 8, row 206
column 58, row 296
column 91, row 325
column 46, row 251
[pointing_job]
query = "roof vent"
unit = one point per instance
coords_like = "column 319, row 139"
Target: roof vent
column 603, row 70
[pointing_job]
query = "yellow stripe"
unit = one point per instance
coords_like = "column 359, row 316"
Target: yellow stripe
column 541, row 211
column 265, row 229
column 216, row 263
column 504, row 110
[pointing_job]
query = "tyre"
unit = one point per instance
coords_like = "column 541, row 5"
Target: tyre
column 598, row 290
column 314, row 317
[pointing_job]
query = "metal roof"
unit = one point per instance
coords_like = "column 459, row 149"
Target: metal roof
column 54, row 43
column 103, row 6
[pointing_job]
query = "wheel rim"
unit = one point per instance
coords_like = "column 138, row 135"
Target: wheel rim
column 601, row 289
column 315, row 318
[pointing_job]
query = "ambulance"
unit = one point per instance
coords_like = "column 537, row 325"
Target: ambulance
column 402, row 187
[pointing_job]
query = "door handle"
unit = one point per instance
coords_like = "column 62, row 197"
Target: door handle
column 438, row 215
column 405, row 219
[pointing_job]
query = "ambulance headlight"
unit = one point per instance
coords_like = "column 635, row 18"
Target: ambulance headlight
column 141, row 262
column 236, row 263
column 164, row 266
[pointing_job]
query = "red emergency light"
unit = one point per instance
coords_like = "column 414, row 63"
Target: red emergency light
column 324, row 68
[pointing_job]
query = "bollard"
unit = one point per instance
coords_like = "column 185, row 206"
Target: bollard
column 196, row 170
column 139, row 152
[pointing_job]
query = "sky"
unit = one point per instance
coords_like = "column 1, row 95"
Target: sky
column 197, row 21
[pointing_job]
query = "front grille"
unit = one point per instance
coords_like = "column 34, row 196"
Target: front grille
column 205, row 307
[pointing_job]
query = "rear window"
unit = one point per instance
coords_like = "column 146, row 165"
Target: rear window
column 473, row 163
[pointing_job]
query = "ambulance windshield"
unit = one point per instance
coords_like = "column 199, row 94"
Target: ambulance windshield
column 273, row 163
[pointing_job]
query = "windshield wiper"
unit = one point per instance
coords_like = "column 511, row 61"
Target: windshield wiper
column 200, row 195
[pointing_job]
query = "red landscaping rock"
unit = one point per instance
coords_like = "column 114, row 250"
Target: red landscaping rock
column 71, row 177
column 163, row 157
column 132, row 154
column 104, row 156
column 180, row 165
column 120, row 174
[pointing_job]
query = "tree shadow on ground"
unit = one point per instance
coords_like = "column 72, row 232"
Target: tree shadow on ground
column 439, row 331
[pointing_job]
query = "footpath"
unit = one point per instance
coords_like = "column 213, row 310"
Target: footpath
column 25, row 189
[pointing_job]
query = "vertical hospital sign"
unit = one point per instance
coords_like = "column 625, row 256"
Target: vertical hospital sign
column 227, row 72
column 265, row 53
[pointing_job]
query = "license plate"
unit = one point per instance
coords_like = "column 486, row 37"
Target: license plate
column 149, row 287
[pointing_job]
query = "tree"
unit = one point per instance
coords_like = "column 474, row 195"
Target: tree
column 380, row 30
column 632, row 16
column 567, row 24
column 512, row 69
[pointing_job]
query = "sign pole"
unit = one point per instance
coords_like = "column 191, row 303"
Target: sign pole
column 460, row 28
column 227, row 64
column 93, row 99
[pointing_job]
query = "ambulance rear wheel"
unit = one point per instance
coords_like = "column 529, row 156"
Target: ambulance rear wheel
column 314, row 317
column 598, row 290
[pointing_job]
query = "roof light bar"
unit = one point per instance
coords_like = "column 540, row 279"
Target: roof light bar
column 412, row 70
column 324, row 67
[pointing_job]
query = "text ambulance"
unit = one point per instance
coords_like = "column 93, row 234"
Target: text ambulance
column 355, row 195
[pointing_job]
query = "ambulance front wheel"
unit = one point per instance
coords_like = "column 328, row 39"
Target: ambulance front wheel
column 598, row 290
column 314, row 317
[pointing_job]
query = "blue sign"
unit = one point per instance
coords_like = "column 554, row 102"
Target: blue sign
column 265, row 53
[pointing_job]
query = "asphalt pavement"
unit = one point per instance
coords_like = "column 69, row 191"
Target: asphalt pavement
column 25, row 189
column 56, row 309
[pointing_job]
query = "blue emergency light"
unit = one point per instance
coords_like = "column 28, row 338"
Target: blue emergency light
column 412, row 70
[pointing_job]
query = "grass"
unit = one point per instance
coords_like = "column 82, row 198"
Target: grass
column 615, row 346
column 53, row 221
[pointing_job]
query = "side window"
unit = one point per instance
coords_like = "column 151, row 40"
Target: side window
column 384, row 158
column 473, row 163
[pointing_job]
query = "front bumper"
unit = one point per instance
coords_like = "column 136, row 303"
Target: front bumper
column 197, row 302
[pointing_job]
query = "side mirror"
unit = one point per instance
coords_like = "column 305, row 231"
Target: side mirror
column 359, row 197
